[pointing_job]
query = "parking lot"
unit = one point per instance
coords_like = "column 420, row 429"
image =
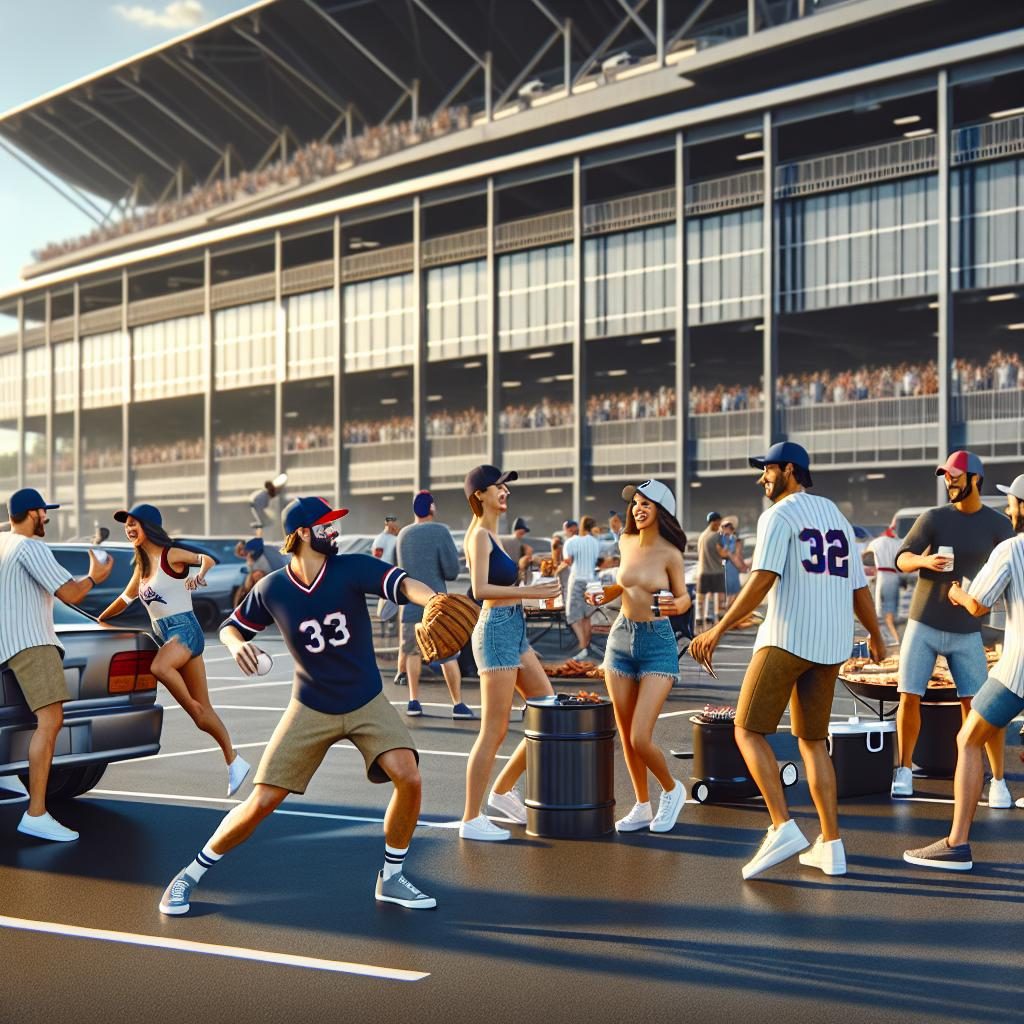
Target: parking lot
column 657, row 926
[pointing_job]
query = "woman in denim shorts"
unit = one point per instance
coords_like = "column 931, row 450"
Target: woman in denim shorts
column 504, row 658
column 161, row 579
column 641, row 661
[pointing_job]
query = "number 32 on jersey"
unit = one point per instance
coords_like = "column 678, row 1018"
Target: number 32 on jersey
column 826, row 553
column 339, row 634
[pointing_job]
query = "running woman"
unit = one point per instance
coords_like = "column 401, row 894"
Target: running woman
column 504, row 658
column 641, row 661
column 806, row 564
column 318, row 602
column 163, row 582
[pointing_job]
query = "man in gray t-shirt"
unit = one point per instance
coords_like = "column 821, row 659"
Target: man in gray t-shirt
column 426, row 551
column 972, row 531
column 710, row 570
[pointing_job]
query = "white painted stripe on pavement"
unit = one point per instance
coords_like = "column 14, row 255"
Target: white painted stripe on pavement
column 343, row 745
column 676, row 714
column 211, row 949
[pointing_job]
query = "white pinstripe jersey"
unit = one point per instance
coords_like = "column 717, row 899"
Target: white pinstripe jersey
column 29, row 577
column 1003, row 574
column 809, row 544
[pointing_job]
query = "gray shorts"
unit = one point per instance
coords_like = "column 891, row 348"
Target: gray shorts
column 576, row 607
column 499, row 638
column 964, row 653
column 887, row 593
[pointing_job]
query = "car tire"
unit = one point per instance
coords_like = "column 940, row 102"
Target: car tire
column 207, row 614
column 67, row 783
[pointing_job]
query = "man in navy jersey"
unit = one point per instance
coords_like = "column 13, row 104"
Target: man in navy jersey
column 318, row 602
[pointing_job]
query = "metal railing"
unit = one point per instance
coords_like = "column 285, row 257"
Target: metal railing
column 988, row 141
column 99, row 321
column 729, row 193
column 363, row 266
column 742, row 423
column 866, row 414
column 165, row 307
column 309, row 457
column 62, row 329
column 258, row 288
column 628, row 212
column 466, row 245
column 532, row 232
column 308, row 278
column 992, row 421
column 622, row 447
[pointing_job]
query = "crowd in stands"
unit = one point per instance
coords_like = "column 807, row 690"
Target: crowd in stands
column 1002, row 372
column 397, row 428
column 307, row 163
column 544, row 413
column 468, row 423
column 632, row 405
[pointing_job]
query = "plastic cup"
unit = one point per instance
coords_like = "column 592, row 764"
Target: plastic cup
column 596, row 591
column 946, row 552
column 655, row 607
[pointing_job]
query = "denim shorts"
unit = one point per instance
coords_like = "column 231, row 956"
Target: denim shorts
column 637, row 649
column 887, row 593
column 499, row 638
column 185, row 629
column 964, row 653
column 997, row 703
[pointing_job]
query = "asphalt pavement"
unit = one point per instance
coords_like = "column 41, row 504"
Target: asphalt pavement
column 659, row 927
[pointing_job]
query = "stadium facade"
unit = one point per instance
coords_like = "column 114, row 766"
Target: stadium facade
column 651, row 238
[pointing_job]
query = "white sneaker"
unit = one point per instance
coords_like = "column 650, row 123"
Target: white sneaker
column 582, row 655
column 779, row 843
column 902, row 782
column 640, row 817
column 510, row 804
column 1020, row 802
column 669, row 808
column 237, row 772
column 828, row 857
column 481, row 827
column 45, row 826
column 999, row 794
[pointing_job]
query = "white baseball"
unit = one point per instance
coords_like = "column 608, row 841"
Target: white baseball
column 264, row 663
column 101, row 556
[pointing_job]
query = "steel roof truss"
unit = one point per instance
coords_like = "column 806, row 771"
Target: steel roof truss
column 119, row 130
column 451, row 33
column 689, row 23
column 634, row 17
column 608, row 40
column 78, row 203
column 457, row 88
column 555, row 37
column 167, row 112
column 84, row 150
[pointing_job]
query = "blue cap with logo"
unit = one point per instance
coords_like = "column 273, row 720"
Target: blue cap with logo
column 254, row 547
column 25, row 500
column 144, row 513
column 309, row 512
column 781, row 453
column 422, row 504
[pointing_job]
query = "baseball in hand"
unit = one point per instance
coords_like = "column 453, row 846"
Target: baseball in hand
column 101, row 556
column 264, row 663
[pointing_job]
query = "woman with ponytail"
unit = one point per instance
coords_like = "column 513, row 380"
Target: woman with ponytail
column 162, row 581
column 641, row 661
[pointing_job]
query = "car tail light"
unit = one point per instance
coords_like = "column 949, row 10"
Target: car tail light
column 131, row 670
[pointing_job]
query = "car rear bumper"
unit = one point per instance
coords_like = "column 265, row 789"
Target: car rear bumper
column 88, row 737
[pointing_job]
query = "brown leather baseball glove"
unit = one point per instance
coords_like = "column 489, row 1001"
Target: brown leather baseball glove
column 448, row 621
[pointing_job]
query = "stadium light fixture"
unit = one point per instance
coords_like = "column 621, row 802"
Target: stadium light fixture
column 874, row 476
column 753, row 135
column 387, row 497
column 1015, row 327
column 909, row 119
column 1011, row 112
column 474, row 365
column 617, row 373
column 933, row 305
column 531, row 89
column 546, row 354
column 511, row 383
column 564, row 376
column 389, row 401
column 918, row 133
column 435, row 398
column 619, row 60
column 650, row 341
column 1001, row 297
column 291, row 414
column 696, row 483
column 545, row 380
column 756, row 154
column 553, row 490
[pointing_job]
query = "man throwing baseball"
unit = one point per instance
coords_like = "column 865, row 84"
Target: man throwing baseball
column 318, row 601
column 806, row 563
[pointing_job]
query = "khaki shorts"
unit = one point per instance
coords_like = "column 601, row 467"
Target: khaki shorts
column 40, row 674
column 303, row 737
column 775, row 678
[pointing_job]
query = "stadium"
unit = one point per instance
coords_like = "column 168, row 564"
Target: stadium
column 372, row 243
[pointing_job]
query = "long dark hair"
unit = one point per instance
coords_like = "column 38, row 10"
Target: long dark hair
column 159, row 536
column 668, row 526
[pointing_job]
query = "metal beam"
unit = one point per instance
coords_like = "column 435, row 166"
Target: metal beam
column 450, row 32
column 557, row 22
column 634, row 17
column 457, row 88
column 126, row 135
column 606, row 42
column 944, row 343
column 692, row 20
column 531, row 64
column 84, row 150
column 95, row 217
column 167, row 112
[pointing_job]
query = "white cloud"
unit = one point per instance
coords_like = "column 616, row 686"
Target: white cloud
column 177, row 14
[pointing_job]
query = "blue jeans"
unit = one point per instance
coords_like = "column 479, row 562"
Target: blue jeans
column 185, row 629
column 499, row 638
column 638, row 649
column 964, row 653
column 997, row 703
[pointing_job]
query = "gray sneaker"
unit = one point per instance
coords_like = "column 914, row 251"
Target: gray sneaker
column 942, row 855
column 175, row 899
column 398, row 889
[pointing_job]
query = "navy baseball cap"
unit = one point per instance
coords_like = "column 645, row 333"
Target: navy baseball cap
column 520, row 524
column 712, row 516
column 309, row 512
column 568, row 523
column 422, row 504
column 781, row 453
column 25, row 500
column 143, row 512
column 255, row 546
column 482, row 477
column 961, row 462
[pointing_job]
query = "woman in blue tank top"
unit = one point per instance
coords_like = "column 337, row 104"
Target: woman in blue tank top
column 504, row 658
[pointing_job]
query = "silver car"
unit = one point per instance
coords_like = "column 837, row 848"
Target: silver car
column 112, row 714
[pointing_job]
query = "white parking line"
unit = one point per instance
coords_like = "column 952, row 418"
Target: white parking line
column 210, row 949
column 244, row 746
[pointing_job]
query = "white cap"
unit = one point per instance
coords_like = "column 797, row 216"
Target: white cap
column 661, row 494
column 1016, row 488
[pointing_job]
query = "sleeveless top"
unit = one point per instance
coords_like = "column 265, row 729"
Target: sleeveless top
column 163, row 591
column 502, row 571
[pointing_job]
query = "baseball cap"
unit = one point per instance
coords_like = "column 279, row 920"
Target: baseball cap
column 661, row 494
column 147, row 513
column 25, row 500
column 254, row 546
column 781, row 453
column 422, row 504
column 568, row 523
column 961, row 462
column 482, row 477
column 712, row 516
column 1016, row 488
column 520, row 524
column 391, row 519
column 309, row 512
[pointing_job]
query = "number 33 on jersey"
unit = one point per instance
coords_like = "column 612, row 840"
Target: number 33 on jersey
column 808, row 543
column 326, row 627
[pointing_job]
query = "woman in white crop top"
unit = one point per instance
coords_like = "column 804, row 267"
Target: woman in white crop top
column 162, row 582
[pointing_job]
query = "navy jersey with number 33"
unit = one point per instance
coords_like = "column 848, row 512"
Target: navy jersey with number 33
column 326, row 627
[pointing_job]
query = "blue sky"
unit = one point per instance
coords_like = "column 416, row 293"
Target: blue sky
column 46, row 44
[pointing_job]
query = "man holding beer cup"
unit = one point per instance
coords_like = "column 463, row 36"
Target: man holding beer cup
column 944, row 545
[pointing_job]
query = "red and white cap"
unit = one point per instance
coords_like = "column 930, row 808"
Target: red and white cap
column 961, row 462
